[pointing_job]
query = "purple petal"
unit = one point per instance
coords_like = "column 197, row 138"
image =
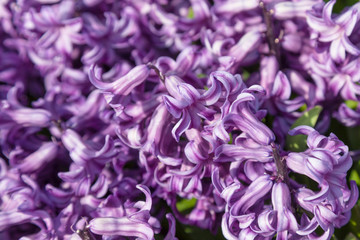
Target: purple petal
column 181, row 126
column 353, row 197
column 121, row 227
column 8, row 219
column 258, row 131
column 174, row 106
column 304, row 130
column 233, row 6
column 266, row 221
column 227, row 152
column 327, row 11
column 171, row 233
column 349, row 46
column 226, row 228
column 247, row 43
column 31, row 117
column 73, row 175
column 123, row 85
column 281, row 87
column 307, row 227
column 185, row 60
column 281, row 201
column 257, row 189
column 337, row 50
column 288, row 10
column 324, row 216
column 38, row 159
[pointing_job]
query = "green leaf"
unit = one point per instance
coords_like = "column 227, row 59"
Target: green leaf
column 340, row 5
column 351, row 104
column 201, row 75
column 245, row 75
column 185, row 204
column 355, row 173
column 303, row 108
column 190, row 13
column 231, row 139
column 309, row 118
column 353, row 135
column 298, row 143
column 355, row 220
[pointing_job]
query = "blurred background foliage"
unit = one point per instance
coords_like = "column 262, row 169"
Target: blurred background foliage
column 341, row 4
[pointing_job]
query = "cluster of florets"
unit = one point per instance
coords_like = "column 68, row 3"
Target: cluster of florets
column 105, row 102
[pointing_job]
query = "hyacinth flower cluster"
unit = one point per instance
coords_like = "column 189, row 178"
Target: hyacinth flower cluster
column 115, row 114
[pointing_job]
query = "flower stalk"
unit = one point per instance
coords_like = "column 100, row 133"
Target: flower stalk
column 282, row 171
column 273, row 42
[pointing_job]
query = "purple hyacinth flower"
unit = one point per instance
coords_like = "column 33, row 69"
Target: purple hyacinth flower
column 285, row 220
column 185, row 102
column 348, row 116
column 291, row 9
column 248, row 43
column 197, row 149
column 59, row 197
column 326, row 161
column 241, row 116
column 121, row 226
column 115, row 92
column 105, row 38
column 232, row 6
column 57, row 26
column 82, row 151
column 26, row 117
column 171, row 233
column 346, row 81
column 38, row 159
column 281, row 93
column 243, row 149
column 279, row 103
column 243, row 204
column 123, row 85
column 172, row 113
column 135, row 224
column 324, row 215
column 223, row 90
column 335, row 31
